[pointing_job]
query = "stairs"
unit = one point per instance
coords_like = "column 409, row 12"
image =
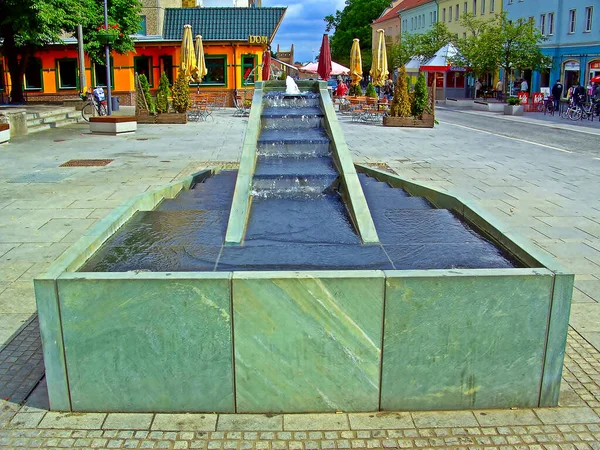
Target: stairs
column 52, row 117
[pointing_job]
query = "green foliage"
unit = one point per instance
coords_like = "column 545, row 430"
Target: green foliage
column 371, row 92
column 423, row 45
column 163, row 94
column 355, row 90
column 182, row 98
column 354, row 21
column 146, row 92
column 282, row 76
column 513, row 101
column 26, row 25
column 401, row 106
column 420, row 98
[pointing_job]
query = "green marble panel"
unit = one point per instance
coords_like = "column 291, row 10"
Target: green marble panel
column 464, row 339
column 52, row 341
column 148, row 342
column 557, row 339
column 307, row 341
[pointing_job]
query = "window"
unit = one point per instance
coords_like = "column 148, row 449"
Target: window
column 510, row 2
column 482, row 7
column 550, row 24
column 66, row 73
column 465, row 8
column 419, row 21
column 492, row 6
column 2, row 85
column 430, row 17
column 434, row 16
column 572, row 21
column 450, row 14
column 248, row 72
column 142, row 29
column 543, row 24
column 165, row 64
column 457, row 13
column 589, row 12
column 412, row 23
column 99, row 75
column 444, row 15
column 464, row 35
column 216, row 70
column 474, row 7
column 33, row 75
column 143, row 66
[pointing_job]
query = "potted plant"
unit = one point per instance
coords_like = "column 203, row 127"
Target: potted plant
column 410, row 109
column 109, row 34
column 513, row 107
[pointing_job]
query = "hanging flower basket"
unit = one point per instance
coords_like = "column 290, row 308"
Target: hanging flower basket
column 108, row 35
column 107, row 38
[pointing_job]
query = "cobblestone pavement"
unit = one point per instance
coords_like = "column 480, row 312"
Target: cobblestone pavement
column 526, row 178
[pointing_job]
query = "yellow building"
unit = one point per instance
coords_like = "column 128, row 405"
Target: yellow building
column 451, row 11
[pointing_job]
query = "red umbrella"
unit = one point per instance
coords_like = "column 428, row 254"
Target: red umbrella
column 596, row 79
column 324, row 69
column 266, row 69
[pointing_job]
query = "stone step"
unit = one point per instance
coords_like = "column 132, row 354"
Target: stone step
column 56, row 111
column 57, row 124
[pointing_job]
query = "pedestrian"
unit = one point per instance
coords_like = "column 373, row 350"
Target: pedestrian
column 524, row 85
column 596, row 98
column 579, row 94
column 477, row 87
column 499, row 90
column 557, row 92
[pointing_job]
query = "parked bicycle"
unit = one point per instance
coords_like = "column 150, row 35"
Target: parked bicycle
column 96, row 104
column 582, row 111
column 547, row 107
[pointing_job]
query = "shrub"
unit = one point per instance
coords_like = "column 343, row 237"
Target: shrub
column 355, row 90
column 146, row 92
column 513, row 101
column 182, row 98
column 371, row 92
column 401, row 102
column 163, row 94
column 420, row 98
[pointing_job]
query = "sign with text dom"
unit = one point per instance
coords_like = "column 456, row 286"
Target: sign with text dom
column 258, row 39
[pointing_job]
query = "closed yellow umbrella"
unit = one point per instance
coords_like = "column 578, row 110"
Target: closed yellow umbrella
column 355, row 63
column 188, row 64
column 379, row 67
column 201, row 63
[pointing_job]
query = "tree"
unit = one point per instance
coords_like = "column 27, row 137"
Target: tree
column 501, row 43
column 423, row 46
column 27, row 25
column 371, row 92
column 354, row 21
column 420, row 98
column 401, row 106
column 163, row 94
column 182, row 98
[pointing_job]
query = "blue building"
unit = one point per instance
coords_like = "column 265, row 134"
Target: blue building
column 418, row 16
column 573, row 31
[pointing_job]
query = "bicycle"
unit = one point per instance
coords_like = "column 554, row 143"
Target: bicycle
column 547, row 107
column 93, row 107
column 582, row 111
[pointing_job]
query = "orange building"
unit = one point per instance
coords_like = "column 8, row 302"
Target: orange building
column 234, row 42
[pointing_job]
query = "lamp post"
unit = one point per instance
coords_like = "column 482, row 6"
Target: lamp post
column 107, row 52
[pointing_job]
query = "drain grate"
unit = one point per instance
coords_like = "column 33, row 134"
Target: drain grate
column 42, row 177
column 87, row 163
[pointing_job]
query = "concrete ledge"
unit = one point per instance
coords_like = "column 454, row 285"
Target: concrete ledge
column 496, row 107
column 464, row 103
column 480, row 106
column 4, row 133
column 113, row 124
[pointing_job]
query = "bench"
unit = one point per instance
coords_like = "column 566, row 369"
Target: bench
column 113, row 124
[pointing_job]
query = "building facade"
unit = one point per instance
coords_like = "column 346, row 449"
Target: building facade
column 388, row 21
column 450, row 13
column 234, row 41
column 418, row 16
column 572, row 30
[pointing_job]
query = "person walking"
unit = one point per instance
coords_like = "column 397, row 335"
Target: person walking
column 596, row 98
column 499, row 90
column 524, row 85
column 557, row 92
column 477, row 87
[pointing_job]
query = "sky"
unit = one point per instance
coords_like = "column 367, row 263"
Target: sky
column 302, row 25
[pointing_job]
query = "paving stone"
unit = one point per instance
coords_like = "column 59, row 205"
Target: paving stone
column 248, row 422
column 567, row 415
column 70, row 421
column 27, row 420
column 444, row 419
column 128, row 421
column 315, row 422
column 490, row 418
column 381, row 420
column 182, row 422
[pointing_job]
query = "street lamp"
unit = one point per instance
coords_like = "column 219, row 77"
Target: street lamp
column 107, row 52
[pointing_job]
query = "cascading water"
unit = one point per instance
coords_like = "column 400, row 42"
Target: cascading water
column 291, row 87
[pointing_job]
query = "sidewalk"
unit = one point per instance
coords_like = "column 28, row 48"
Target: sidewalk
column 550, row 197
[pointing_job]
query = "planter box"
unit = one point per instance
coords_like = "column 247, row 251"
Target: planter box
column 4, row 132
column 427, row 121
column 144, row 117
column 113, row 124
column 171, row 118
column 510, row 110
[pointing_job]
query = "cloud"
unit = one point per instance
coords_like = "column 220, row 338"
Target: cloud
column 303, row 25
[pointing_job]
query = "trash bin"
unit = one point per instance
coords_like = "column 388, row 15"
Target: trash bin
column 114, row 103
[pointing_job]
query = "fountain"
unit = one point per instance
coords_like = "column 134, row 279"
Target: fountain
column 298, row 284
column 291, row 87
